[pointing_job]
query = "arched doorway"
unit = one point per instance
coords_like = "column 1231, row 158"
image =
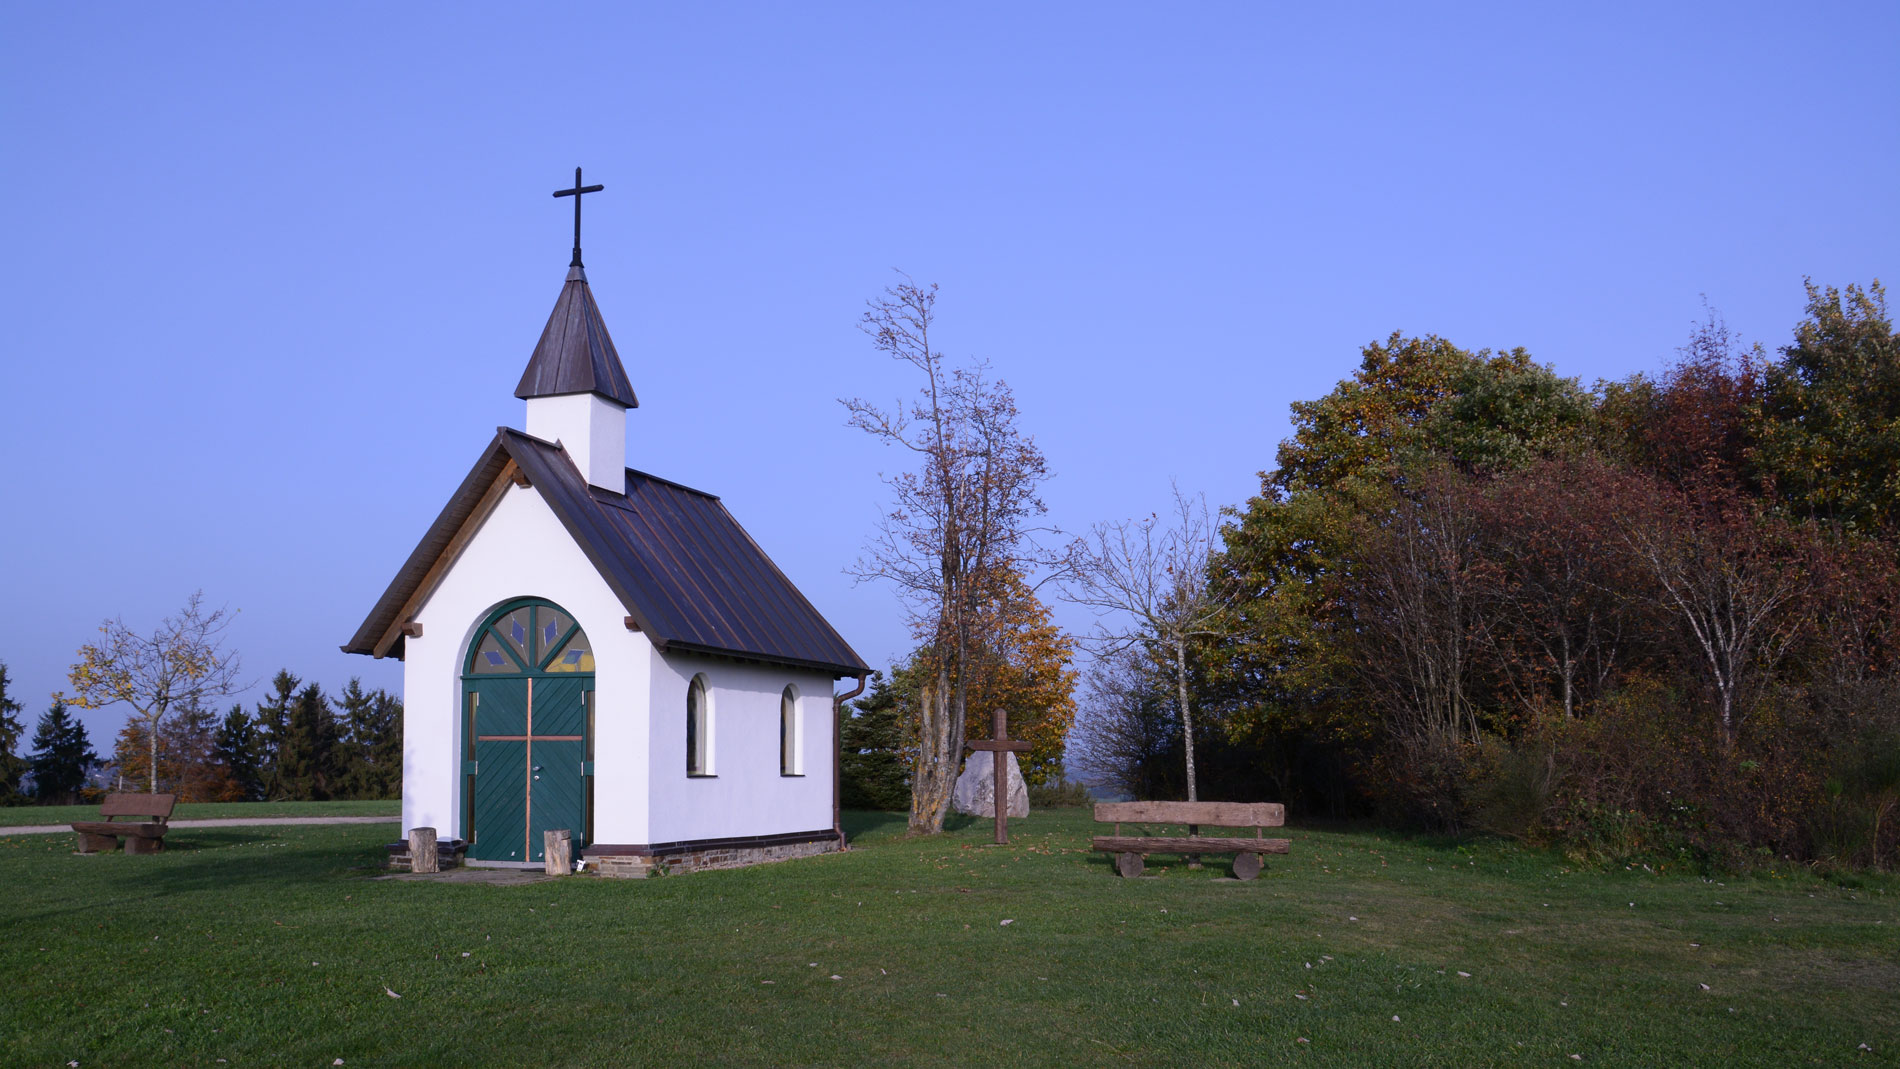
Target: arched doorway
column 527, row 732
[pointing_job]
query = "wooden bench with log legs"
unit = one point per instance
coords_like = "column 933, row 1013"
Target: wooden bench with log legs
column 146, row 837
column 1129, row 850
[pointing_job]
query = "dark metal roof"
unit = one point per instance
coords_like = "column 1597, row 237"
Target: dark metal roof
column 575, row 353
column 685, row 570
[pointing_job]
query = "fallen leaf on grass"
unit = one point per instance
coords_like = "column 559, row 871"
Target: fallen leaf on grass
column 390, row 993
column 1011, row 920
column 1464, row 974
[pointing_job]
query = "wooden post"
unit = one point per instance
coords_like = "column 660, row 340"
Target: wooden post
column 558, row 851
column 422, row 855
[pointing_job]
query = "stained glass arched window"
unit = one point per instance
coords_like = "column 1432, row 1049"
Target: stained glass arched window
column 530, row 637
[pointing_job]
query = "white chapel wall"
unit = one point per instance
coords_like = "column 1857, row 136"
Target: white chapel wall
column 746, row 795
column 522, row 550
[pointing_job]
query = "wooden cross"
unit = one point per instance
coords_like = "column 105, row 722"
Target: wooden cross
column 576, row 194
column 999, row 787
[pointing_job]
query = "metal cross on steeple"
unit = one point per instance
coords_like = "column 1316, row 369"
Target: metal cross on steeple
column 576, row 194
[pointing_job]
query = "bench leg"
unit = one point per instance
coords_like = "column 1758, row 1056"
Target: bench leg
column 1128, row 863
column 139, row 844
column 1246, row 865
column 97, row 844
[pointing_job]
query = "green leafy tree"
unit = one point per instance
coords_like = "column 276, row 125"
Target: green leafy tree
column 62, row 755
column 1830, row 414
column 12, row 763
column 1286, row 676
column 237, row 747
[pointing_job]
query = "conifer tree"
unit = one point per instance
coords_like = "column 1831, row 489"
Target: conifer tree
column 880, row 744
column 191, row 740
column 62, row 754
column 12, row 763
column 371, row 758
column 307, row 759
column 236, row 748
column 273, row 727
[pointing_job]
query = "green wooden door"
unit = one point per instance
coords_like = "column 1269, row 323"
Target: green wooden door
column 528, row 689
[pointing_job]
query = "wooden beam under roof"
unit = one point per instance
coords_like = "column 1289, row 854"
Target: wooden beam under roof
column 448, row 557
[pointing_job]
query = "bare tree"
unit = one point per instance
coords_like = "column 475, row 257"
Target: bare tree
column 1150, row 583
column 962, row 524
column 1735, row 580
column 182, row 664
column 1124, row 730
column 1415, row 611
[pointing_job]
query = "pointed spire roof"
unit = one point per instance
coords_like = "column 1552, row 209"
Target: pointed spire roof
column 575, row 354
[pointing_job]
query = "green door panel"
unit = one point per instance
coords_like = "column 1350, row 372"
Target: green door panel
column 501, row 801
column 501, row 706
column 560, row 705
column 557, row 791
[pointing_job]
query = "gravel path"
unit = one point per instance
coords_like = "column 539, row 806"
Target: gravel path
column 220, row 822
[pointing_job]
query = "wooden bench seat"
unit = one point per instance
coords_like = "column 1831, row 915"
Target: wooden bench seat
column 143, row 837
column 1129, row 850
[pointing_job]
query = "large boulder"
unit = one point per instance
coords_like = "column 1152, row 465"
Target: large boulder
column 975, row 791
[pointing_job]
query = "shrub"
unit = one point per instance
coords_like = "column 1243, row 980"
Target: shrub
column 1062, row 793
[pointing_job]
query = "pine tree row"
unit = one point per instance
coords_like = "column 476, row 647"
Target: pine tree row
column 298, row 745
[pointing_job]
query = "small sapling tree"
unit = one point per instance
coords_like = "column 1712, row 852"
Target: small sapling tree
column 182, row 663
column 1149, row 583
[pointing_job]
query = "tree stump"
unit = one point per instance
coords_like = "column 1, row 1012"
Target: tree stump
column 1128, row 863
column 422, row 855
column 558, row 851
column 1246, row 865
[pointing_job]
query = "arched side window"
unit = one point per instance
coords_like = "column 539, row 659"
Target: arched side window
column 698, row 729
column 790, row 735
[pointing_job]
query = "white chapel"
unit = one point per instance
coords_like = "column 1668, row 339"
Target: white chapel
column 593, row 648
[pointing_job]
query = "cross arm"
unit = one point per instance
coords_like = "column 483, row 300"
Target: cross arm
column 583, row 189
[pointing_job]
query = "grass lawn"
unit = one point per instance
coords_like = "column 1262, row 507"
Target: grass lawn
column 273, row 946
column 22, row 816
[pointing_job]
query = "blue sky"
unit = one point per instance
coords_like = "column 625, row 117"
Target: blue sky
column 272, row 271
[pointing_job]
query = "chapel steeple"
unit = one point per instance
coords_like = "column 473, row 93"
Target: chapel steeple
column 577, row 390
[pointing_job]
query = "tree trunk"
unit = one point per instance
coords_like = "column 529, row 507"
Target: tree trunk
column 1187, row 717
column 151, row 733
column 935, row 777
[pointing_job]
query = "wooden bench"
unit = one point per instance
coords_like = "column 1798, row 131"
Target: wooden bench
column 1129, row 850
column 146, row 837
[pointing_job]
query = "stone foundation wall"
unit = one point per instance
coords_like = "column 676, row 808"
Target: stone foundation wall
column 634, row 866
